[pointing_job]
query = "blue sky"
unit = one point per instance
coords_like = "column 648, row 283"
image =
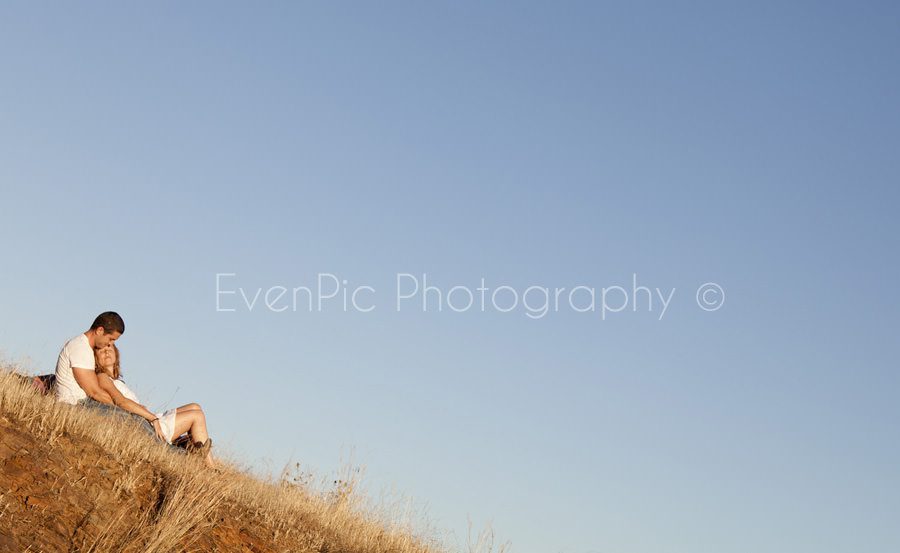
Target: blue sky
column 144, row 149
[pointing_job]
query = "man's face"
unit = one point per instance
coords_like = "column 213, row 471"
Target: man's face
column 104, row 339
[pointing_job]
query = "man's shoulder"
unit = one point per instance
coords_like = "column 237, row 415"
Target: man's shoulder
column 76, row 352
column 79, row 342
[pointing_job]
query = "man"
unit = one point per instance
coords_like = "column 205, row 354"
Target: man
column 75, row 376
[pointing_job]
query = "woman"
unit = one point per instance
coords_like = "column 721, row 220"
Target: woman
column 169, row 426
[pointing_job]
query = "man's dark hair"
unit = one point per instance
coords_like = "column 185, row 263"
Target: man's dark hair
column 110, row 321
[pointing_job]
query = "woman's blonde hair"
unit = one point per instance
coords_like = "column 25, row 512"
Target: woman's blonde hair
column 116, row 366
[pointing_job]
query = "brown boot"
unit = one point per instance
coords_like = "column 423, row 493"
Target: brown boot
column 202, row 449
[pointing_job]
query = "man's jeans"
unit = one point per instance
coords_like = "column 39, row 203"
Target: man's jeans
column 114, row 411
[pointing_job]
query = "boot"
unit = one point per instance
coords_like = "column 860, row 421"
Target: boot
column 200, row 448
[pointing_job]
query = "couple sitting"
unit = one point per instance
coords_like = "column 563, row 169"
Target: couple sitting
column 88, row 373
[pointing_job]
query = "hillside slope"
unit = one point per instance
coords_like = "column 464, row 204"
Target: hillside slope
column 75, row 480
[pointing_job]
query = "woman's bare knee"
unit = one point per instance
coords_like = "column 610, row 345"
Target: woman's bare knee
column 190, row 407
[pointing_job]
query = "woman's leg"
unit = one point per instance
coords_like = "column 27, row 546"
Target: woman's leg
column 189, row 407
column 190, row 418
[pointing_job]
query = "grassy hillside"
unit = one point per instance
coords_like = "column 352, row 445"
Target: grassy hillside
column 75, row 480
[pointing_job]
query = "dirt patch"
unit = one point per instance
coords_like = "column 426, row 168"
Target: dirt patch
column 69, row 494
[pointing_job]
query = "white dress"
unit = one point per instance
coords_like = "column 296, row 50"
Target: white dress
column 166, row 420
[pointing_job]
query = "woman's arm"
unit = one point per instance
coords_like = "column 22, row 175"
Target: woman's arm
column 107, row 385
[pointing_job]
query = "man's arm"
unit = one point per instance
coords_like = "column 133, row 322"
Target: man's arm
column 87, row 379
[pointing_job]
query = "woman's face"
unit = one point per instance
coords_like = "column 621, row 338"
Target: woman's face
column 107, row 358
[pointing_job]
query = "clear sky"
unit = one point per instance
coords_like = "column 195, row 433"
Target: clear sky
column 144, row 149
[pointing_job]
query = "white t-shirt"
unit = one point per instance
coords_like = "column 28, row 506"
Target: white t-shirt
column 79, row 354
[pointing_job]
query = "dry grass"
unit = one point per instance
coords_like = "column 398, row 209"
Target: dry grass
column 189, row 500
